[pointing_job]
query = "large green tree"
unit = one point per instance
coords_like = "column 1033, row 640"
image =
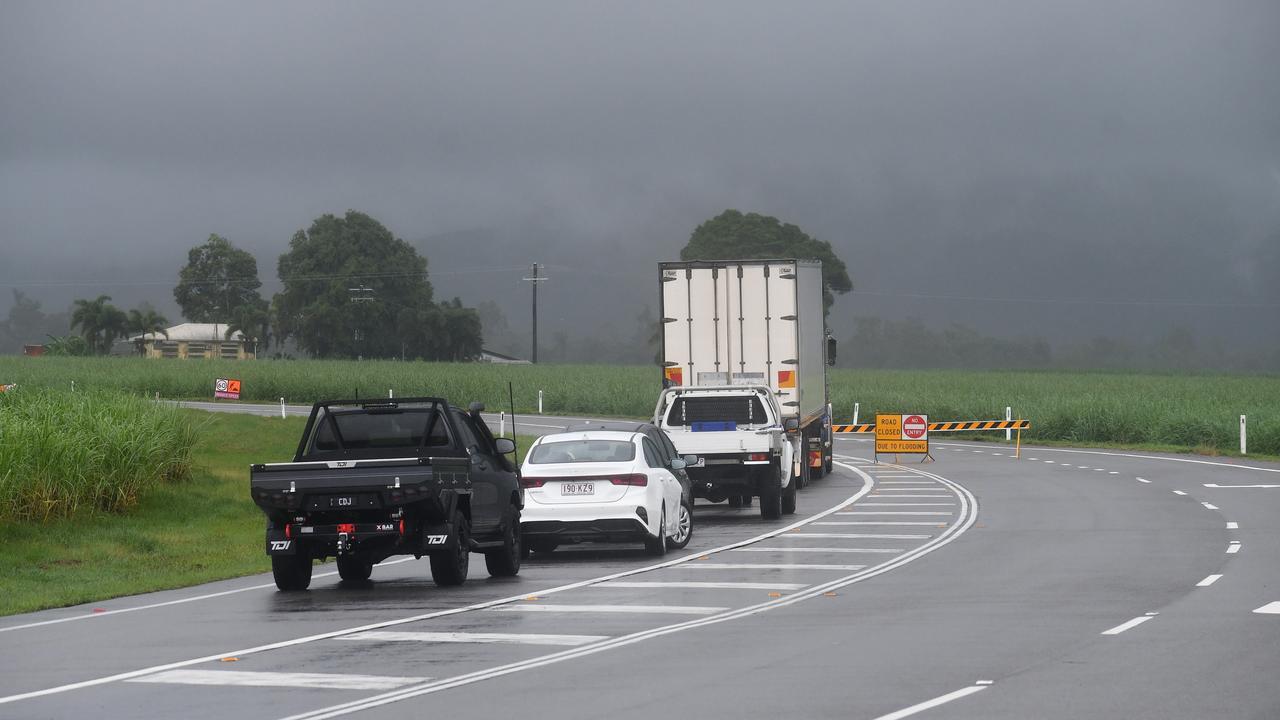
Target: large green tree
column 353, row 289
column 100, row 323
column 732, row 235
column 218, row 280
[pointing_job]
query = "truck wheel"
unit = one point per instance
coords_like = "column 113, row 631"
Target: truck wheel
column 505, row 561
column 684, row 526
column 354, row 568
column 449, row 567
column 735, row 502
column 543, row 546
column 658, row 546
column 771, row 505
column 292, row 572
column 789, row 500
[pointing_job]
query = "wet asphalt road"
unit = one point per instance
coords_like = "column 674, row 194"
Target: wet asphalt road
column 1062, row 585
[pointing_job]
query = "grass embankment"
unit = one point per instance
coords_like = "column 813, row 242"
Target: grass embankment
column 1192, row 412
column 179, row 533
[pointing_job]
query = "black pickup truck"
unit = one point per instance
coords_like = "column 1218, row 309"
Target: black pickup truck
column 372, row 479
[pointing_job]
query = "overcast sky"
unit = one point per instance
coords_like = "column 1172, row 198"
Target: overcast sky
column 1054, row 168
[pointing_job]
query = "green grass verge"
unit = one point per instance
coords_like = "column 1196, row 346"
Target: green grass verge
column 179, row 534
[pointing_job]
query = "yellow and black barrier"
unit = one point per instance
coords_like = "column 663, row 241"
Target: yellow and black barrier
column 958, row 426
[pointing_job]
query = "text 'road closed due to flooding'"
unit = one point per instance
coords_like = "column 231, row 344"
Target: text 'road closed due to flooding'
column 902, row 433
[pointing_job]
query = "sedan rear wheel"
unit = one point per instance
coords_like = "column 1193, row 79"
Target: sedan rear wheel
column 658, row 546
column 684, row 526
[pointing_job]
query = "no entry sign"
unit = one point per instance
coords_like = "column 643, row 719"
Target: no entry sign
column 902, row 433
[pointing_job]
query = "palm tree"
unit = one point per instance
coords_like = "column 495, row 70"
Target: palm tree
column 100, row 323
column 145, row 320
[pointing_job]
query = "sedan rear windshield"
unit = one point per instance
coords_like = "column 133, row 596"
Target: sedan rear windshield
column 583, row 451
column 737, row 409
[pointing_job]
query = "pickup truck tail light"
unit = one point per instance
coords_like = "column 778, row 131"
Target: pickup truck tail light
column 758, row 457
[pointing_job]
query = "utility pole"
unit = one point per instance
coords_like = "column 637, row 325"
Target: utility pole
column 359, row 295
column 535, row 280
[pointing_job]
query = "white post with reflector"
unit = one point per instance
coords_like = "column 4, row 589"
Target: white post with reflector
column 855, row 413
column 1243, row 447
column 539, row 402
column 502, row 423
column 282, row 414
column 1008, row 415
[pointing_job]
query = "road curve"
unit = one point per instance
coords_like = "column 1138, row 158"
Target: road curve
column 1066, row 584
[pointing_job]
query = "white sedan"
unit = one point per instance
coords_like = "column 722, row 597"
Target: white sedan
column 604, row 486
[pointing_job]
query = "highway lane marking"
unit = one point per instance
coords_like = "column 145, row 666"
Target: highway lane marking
column 1225, row 487
column 851, row 536
column 638, row 609
column 868, row 485
column 1209, row 506
column 1178, row 492
column 1144, row 480
column 969, row 517
column 933, row 487
column 898, row 512
column 315, row 681
column 1272, row 608
column 179, row 601
column 766, row 566
column 880, row 504
column 1145, row 457
column 878, row 496
column 1129, row 625
column 940, row 700
column 1234, row 547
column 475, row 637
column 698, row 585
column 816, row 549
column 1233, row 526
column 1208, row 581
column 930, row 523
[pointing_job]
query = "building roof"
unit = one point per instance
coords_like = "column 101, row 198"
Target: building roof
column 194, row 332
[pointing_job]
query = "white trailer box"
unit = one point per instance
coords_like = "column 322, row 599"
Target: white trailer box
column 757, row 322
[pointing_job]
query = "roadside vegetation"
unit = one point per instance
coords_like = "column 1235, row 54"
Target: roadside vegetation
column 1190, row 411
column 74, row 455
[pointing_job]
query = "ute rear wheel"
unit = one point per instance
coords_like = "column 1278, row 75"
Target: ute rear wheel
column 505, row 561
column 542, row 545
column 292, row 572
column 355, row 567
column 449, row 567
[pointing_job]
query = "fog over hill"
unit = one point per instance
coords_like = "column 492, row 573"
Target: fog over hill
column 1058, row 170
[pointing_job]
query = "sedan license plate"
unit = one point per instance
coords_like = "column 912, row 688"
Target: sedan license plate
column 578, row 488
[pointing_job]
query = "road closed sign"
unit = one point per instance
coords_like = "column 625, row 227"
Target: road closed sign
column 902, row 433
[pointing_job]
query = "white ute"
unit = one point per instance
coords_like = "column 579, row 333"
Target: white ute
column 743, row 446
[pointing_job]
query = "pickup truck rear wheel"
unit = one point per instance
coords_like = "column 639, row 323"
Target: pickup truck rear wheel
column 449, row 567
column 355, row 568
column 505, row 561
column 292, row 572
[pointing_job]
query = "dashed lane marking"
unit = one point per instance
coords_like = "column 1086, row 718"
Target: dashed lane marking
column 851, row 536
column 940, row 700
column 1208, row 581
column 888, row 551
column 1224, row 487
column 315, row 681
column 638, row 609
column 474, row 637
column 1269, row 609
column 1129, row 625
column 1234, row 547
column 1209, row 506
column 930, row 523
column 1233, row 526
column 1178, row 492
column 649, row 584
column 766, row 566
column 1144, row 480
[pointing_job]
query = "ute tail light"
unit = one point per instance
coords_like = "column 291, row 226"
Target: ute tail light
column 758, row 457
column 348, row 528
column 288, row 531
column 401, row 527
column 532, row 482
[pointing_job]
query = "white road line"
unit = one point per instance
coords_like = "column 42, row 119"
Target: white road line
column 816, row 549
column 1208, row 581
column 940, row 700
column 696, row 585
column 897, row 513
column 1209, row 506
column 1224, row 487
column 315, row 681
column 1129, row 625
column 1144, row 480
column 475, row 637
column 179, row 601
column 878, row 496
column 1234, row 547
column 932, row 485
column 1233, row 526
column 622, row 609
column 880, row 504
column 1051, row 462
column 930, row 523
column 969, row 515
column 1113, row 472
column 765, row 566
column 843, row 536
column 1178, row 492
column 1269, row 609
column 1156, row 457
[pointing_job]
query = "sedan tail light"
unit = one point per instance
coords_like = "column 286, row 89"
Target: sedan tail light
column 634, row 479
column 533, row 482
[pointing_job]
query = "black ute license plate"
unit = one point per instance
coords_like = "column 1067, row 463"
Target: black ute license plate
column 354, row 501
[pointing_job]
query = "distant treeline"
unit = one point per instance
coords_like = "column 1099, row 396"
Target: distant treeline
column 910, row 344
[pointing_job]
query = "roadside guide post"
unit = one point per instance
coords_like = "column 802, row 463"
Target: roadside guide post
column 1243, row 447
column 1008, row 415
column 282, row 415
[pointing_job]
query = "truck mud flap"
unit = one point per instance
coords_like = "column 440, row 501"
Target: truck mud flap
column 278, row 544
column 437, row 536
